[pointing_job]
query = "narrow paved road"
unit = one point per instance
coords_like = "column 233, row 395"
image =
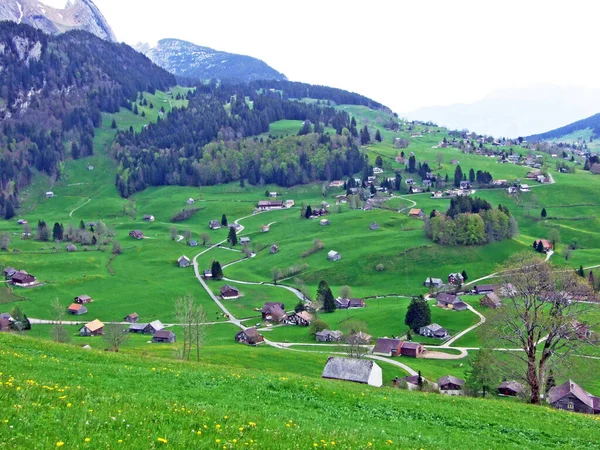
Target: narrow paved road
column 80, row 206
column 448, row 343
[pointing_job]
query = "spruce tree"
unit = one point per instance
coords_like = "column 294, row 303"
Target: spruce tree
column 325, row 297
column 308, row 212
column 57, row 232
column 580, row 272
column 113, row 125
column 592, row 280
column 464, row 275
column 81, row 225
column 471, row 175
column 232, row 237
column 224, row 220
column 543, row 213
column 378, row 136
column 418, row 314
column 458, row 176
column 217, row 271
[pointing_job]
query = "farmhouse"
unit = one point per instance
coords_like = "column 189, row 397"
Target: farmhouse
column 437, row 194
column 374, row 226
column 149, row 217
column 183, row 261
column 433, row 282
column 412, row 382
column 229, row 292
column 329, row 336
column 153, row 327
column 377, row 170
column 249, row 336
column 267, row 205
column 333, row 256
column 214, row 224
column 131, row 318
column 571, row 397
column 434, row 330
column 164, row 336
column 387, row 347
column 193, row 244
column 491, row 300
column 511, row 389
column 264, row 229
column 345, row 303
column 302, row 318
column 456, row 279
column 23, row 279
column 81, row 299
column 524, row 188
column 244, row 240
column 274, row 249
column 9, row 272
column 137, row 327
column 93, row 328
column 465, row 185
column 412, row 349
column 450, row 385
column 336, row 183
column 274, row 312
column 417, row 213
column 451, row 302
column 480, row 289
column 546, row 245
column 356, row 370
column 76, row 309
column 136, row 234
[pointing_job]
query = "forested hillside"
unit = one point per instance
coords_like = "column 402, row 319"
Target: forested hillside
column 207, row 143
column 52, row 92
column 592, row 123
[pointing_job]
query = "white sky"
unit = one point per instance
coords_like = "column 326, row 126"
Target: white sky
column 405, row 54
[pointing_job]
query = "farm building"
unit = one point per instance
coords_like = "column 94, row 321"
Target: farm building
column 336, row 183
column 244, row 240
column 356, row 370
column 77, row 309
column 21, row 222
column 274, row 249
column 190, row 201
column 481, row 289
column 81, row 299
column 183, row 261
column 433, row 282
column 456, row 279
column 23, row 279
column 412, row 349
column 71, row 248
column 136, row 327
column 374, row 226
column 289, row 203
column 5, row 324
column 265, row 229
column 302, row 318
column 412, row 382
column 9, row 272
column 546, row 245
column 451, row 302
column 93, row 328
column 149, row 217
column 249, row 336
column 193, row 243
column 267, row 205
column 214, row 224
column 450, row 385
column 164, row 336
column 387, row 347
column 153, row 327
column 49, row 194
column 136, row 234
column 229, row 292
column 329, row 336
column 511, row 389
column 569, row 396
column 491, row 300
column 274, row 312
column 207, row 274
column 345, row 303
column 434, row 330
column 360, row 338
column 415, row 212
column 437, row 194
column 332, row 255
column 131, row 318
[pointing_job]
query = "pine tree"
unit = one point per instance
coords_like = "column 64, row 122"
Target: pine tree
column 471, row 175
column 94, row 240
column 224, row 220
column 113, row 125
column 135, row 109
column 378, row 136
column 75, row 151
column 216, row 270
column 418, row 314
column 57, row 232
column 81, row 225
column 464, row 275
column 592, row 280
column 379, row 161
column 580, row 272
column 544, row 213
column 325, row 297
column 458, row 176
column 540, row 246
column 365, row 137
column 308, row 212
column 420, row 382
column 232, row 237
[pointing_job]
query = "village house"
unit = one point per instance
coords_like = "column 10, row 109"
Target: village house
column 244, row 240
column 345, row 303
column 274, row 249
column 273, row 312
column 264, row 229
column 491, row 300
column 388, row 347
column 465, row 185
column 356, row 370
column 374, row 226
column 23, row 279
column 511, row 389
column 273, row 194
column 456, row 279
column 361, row 338
column 229, row 292
column 426, row 184
column 435, row 331
column 183, row 261
column 9, row 272
column 412, row 349
column 569, row 396
column 21, row 222
column 332, row 255
column 411, row 382
column 267, row 205
column 417, row 213
column 71, row 248
column 437, row 194
column 190, row 201
column 5, row 324
column 136, row 327
column 249, row 336
column 546, row 245
column 149, row 217
column 433, row 283
column 481, row 289
column 207, row 274
column 131, row 318
column 136, row 234
column 81, row 299
column 524, row 188
column 302, row 318
column 77, row 309
column 450, row 301
column 499, row 182
column 329, row 336
column 410, row 181
column 289, row 203
column 93, row 328
column 164, row 336
column 450, row 385
column 214, row 224
column 49, row 194
column 415, row 190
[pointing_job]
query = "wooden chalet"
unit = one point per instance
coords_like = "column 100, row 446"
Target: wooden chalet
column 149, row 217
column 350, row 369
column 229, row 292
column 329, row 336
column 274, row 312
column 456, row 279
column 450, row 385
column 23, row 279
column 332, row 255
column 388, row 347
column 433, row 283
column 266, row 205
column 450, row 301
column 249, row 336
column 137, row 327
column 546, row 245
column 183, row 261
column 412, row 349
column 511, row 389
column 417, row 213
column 302, row 318
column 131, row 318
column 481, row 289
column 274, row 249
column 93, row 328
column 9, row 272
column 214, row 225
column 81, row 299
column 207, row 274
column 77, row 309
column 569, row 396
column 153, row 327
column 164, row 336
column 345, row 303
column 491, row 300
column 434, row 330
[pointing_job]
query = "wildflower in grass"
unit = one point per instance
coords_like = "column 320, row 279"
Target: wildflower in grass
column 120, row 441
column 332, row 443
column 68, row 405
column 241, row 428
column 218, row 426
column 162, row 440
column 234, row 441
column 225, row 417
column 87, row 439
column 60, row 443
column 217, row 440
column 199, row 433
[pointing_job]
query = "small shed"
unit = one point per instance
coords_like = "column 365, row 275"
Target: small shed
column 244, row 240
column 77, row 309
column 81, row 299
column 571, row 397
column 71, row 248
column 357, row 370
column 374, row 226
column 131, row 318
column 387, row 347
column 324, row 222
column 274, row 249
column 93, row 328
column 49, row 194
column 190, row 201
column 332, row 255
column 149, row 217
column 153, row 327
column 511, row 389
column 412, row 349
column 249, row 336
column 164, row 336
column 207, row 274
column 137, row 327
column 329, row 336
column 491, row 300
column 450, row 385
column 183, row 261
column 214, row 224
column 229, row 292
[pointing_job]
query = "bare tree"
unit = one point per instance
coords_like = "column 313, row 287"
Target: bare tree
column 439, row 158
column 115, row 336
column 173, row 232
column 4, row 241
column 345, row 292
column 187, row 234
column 205, row 238
column 539, row 316
column 356, row 341
column 58, row 331
column 192, row 319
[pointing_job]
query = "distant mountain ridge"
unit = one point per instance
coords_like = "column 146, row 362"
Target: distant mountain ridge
column 76, row 15
column 516, row 112
column 592, row 123
column 185, row 59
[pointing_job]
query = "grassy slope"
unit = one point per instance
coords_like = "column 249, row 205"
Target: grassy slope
column 114, row 400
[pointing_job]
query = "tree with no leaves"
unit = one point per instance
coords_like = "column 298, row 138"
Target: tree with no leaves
column 192, row 319
column 205, row 238
column 173, row 232
column 58, row 330
column 537, row 316
column 115, row 336
column 346, row 292
column 187, row 234
column 356, row 346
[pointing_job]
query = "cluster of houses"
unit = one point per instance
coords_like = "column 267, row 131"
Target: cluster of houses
column 155, row 328
column 78, row 308
column 269, row 205
column 19, row 277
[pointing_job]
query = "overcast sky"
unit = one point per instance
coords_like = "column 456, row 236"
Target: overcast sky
column 403, row 54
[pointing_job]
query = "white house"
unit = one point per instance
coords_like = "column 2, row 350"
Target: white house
column 377, row 170
column 356, row 370
column 190, row 201
column 49, row 194
column 333, row 256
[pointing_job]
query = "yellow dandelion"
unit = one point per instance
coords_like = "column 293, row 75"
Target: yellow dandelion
column 217, row 426
column 68, row 405
column 87, row 439
column 234, row 441
column 217, row 440
column 60, row 444
column 120, row 441
column 241, row 428
column 163, row 440
column 199, row 433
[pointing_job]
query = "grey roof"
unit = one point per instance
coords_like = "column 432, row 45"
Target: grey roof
column 157, row 325
column 434, row 327
column 138, row 326
column 513, row 386
column 450, row 379
column 558, row 392
column 164, row 334
column 326, row 333
column 348, row 369
column 447, row 298
column 386, row 345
